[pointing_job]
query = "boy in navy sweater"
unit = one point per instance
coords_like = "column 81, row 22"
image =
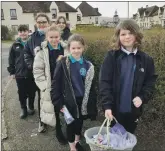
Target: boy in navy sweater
column 127, row 77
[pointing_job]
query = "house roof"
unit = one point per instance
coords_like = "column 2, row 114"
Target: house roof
column 88, row 10
column 161, row 11
column 42, row 6
column 64, row 7
column 149, row 11
column 134, row 16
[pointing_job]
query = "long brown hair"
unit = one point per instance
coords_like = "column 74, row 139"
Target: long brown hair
column 61, row 17
column 130, row 25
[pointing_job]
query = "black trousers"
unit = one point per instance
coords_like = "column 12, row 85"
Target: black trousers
column 75, row 127
column 58, row 122
column 26, row 89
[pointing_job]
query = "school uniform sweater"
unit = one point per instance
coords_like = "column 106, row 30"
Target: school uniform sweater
column 128, row 65
column 53, row 55
column 78, row 70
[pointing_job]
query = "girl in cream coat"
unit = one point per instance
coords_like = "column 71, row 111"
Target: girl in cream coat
column 43, row 69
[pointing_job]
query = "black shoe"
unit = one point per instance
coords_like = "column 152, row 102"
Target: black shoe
column 79, row 147
column 60, row 136
column 23, row 113
column 31, row 111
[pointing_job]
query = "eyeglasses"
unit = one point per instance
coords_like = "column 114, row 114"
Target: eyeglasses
column 61, row 22
column 42, row 22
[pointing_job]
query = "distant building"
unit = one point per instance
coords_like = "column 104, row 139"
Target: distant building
column 111, row 21
column 14, row 13
column 87, row 14
column 149, row 16
column 116, row 18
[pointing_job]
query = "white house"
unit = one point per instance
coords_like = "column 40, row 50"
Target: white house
column 163, row 17
column 149, row 16
column 87, row 14
column 24, row 12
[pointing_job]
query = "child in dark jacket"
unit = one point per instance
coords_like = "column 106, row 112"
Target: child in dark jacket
column 62, row 24
column 127, row 77
column 72, row 86
column 65, row 32
column 18, row 70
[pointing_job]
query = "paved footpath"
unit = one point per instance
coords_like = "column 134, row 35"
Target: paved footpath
column 22, row 135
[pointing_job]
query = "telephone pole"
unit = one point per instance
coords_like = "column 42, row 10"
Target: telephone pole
column 128, row 8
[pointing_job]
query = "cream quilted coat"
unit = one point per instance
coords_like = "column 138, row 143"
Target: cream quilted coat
column 41, row 71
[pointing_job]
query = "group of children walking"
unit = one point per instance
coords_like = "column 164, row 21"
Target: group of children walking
column 126, row 80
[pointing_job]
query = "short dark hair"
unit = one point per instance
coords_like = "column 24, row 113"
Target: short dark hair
column 23, row 28
column 43, row 15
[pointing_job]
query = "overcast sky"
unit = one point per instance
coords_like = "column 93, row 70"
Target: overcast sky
column 107, row 9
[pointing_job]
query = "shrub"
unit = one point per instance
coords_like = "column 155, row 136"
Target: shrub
column 8, row 34
column 4, row 32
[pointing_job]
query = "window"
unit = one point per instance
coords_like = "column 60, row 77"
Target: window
column 78, row 17
column 2, row 14
column 14, row 28
column 34, row 14
column 54, row 13
column 13, row 14
column 96, row 20
column 67, row 16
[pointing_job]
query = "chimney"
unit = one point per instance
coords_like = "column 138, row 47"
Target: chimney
column 146, row 6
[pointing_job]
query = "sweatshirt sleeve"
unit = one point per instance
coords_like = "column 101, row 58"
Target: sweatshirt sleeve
column 11, row 61
column 57, row 87
column 149, row 82
column 105, row 82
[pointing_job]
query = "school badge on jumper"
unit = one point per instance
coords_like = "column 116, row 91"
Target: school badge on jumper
column 83, row 71
column 142, row 69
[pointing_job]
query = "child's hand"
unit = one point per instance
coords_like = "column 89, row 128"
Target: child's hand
column 137, row 102
column 108, row 114
column 62, row 110
column 12, row 76
column 60, row 57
